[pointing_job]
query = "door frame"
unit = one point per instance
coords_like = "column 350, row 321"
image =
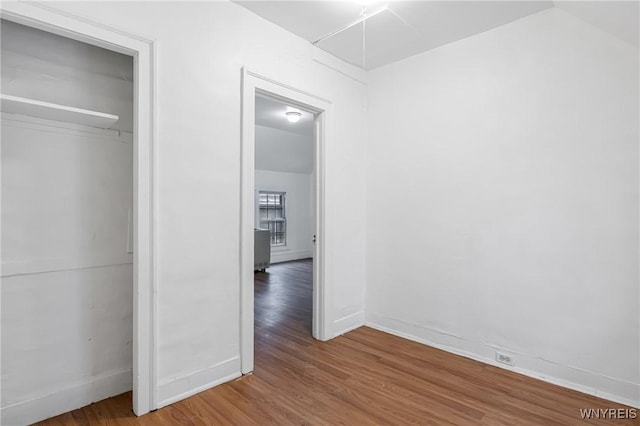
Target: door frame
column 252, row 84
column 46, row 18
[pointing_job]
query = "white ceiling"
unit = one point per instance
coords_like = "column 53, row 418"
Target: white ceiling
column 280, row 145
column 406, row 28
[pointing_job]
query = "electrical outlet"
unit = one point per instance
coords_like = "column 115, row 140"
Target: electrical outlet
column 504, row 359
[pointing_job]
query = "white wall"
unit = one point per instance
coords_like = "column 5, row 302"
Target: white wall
column 67, row 272
column 283, row 151
column 298, row 212
column 503, row 201
column 200, row 49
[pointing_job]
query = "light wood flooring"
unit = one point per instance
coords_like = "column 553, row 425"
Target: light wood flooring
column 364, row 377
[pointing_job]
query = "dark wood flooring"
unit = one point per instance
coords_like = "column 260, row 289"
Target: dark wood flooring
column 364, row 377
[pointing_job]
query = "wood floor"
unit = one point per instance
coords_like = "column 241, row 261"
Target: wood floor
column 364, row 377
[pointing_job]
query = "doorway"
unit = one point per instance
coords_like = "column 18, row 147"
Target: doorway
column 139, row 221
column 320, row 110
column 284, row 218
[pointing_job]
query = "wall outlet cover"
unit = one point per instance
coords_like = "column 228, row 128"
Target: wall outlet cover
column 503, row 358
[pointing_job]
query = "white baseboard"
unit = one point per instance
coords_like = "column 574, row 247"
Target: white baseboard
column 44, row 407
column 348, row 323
column 562, row 375
column 289, row 255
column 194, row 383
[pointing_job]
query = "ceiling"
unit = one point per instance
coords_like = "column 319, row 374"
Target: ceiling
column 405, row 28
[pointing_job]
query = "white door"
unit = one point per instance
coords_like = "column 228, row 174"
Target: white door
column 317, row 331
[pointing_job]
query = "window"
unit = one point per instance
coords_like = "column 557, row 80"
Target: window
column 273, row 216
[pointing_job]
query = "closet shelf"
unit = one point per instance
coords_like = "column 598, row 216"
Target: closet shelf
column 17, row 105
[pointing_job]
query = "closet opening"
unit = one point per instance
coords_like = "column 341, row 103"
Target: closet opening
column 71, row 221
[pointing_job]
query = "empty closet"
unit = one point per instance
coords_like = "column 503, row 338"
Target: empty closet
column 66, row 220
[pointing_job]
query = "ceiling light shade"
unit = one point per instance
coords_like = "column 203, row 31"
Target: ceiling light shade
column 293, row 116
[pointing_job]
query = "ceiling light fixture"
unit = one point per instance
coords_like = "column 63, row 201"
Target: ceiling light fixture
column 293, row 116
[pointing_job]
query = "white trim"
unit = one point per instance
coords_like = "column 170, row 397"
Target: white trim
column 321, row 328
column 348, row 323
column 194, row 383
column 289, row 255
column 253, row 83
column 49, row 19
column 538, row 368
column 79, row 395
